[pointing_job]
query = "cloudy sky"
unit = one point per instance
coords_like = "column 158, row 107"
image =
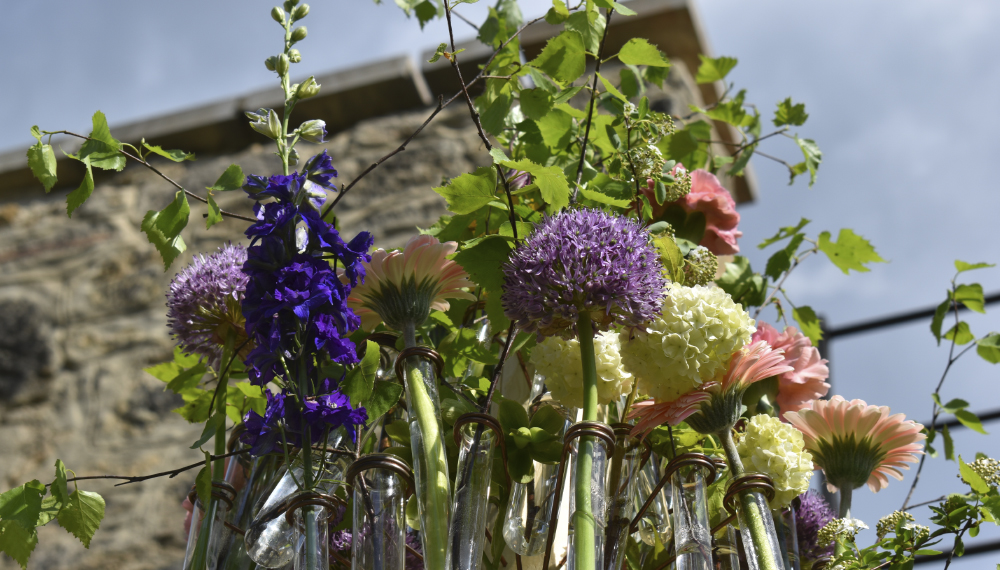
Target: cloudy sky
column 901, row 96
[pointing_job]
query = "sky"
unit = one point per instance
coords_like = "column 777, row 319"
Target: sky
column 901, row 98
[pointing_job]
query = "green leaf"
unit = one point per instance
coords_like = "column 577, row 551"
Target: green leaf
column 203, row 481
column 23, row 504
column 781, row 261
column 385, row 394
column 949, row 444
column 714, row 69
column 563, row 58
column 602, row 198
column 535, row 103
column 971, row 296
column 963, row 266
column 231, row 179
column 938, row 320
column 555, row 128
column 970, row 420
column 77, row 197
column 42, row 162
column 813, row 157
column 493, row 117
column 988, row 348
column 558, row 13
column 671, row 257
column 688, row 145
column 425, row 11
column 59, row 489
column 789, row 113
column 438, row 53
column 360, row 380
column 399, row 432
column 850, row 251
column 163, row 228
column 512, row 416
column 102, row 150
column 617, row 6
column 629, row 82
column 82, row 515
column 17, row 542
column 784, row 233
column 611, row 88
column 742, row 284
column 197, row 406
column 172, row 155
column 551, row 182
column 483, row 262
column 972, row 478
column 960, row 333
column 469, row 192
column 808, row 323
column 590, row 26
column 952, row 406
column 214, row 212
column 211, row 426
column 638, row 51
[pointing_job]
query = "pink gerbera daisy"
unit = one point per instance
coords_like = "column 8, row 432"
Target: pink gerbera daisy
column 856, row 443
column 807, row 379
column 403, row 287
column 714, row 406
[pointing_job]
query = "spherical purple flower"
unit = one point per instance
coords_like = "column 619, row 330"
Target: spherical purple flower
column 203, row 305
column 414, row 562
column 583, row 261
column 811, row 515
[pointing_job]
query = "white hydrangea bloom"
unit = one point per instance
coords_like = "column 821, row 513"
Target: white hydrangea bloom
column 690, row 343
column 777, row 450
column 559, row 362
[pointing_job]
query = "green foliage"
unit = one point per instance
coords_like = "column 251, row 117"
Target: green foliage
column 360, row 380
column 81, row 515
column 77, row 197
column 850, row 251
column 102, row 150
column 988, row 348
column 961, row 266
column 231, row 179
column 470, row 192
column 171, row 155
column 638, row 51
column 563, row 58
column 809, row 323
column 813, row 158
column 163, row 228
column 590, row 26
column 742, row 284
column 528, row 440
column 789, row 113
column 714, row 69
column 42, row 161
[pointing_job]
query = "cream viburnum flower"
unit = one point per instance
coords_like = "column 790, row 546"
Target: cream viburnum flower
column 689, row 343
column 847, row 528
column 559, row 362
column 777, row 449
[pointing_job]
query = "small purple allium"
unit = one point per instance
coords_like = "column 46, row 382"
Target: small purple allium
column 811, row 515
column 583, row 261
column 203, row 305
column 414, row 562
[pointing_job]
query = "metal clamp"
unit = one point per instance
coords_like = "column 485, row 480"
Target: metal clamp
column 422, row 351
column 380, row 461
column 490, row 422
column 683, row 460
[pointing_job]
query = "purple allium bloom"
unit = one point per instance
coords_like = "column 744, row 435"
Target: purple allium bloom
column 811, row 515
column 583, row 261
column 340, row 540
column 203, row 305
column 518, row 179
column 412, row 561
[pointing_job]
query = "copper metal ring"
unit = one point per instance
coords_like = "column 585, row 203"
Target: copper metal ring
column 490, row 422
column 423, row 351
column 471, row 310
column 309, row 499
column 625, row 430
column 747, row 482
column 576, row 431
column 234, row 528
column 220, row 490
column 683, row 460
column 380, row 461
column 384, row 338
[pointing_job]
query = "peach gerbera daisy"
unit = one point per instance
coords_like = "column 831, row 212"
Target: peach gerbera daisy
column 402, row 287
column 856, row 443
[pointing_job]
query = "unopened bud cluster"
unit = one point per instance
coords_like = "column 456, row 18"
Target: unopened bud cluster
column 286, row 16
column 889, row 522
column 700, row 266
column 846, row 528
column 988, row 469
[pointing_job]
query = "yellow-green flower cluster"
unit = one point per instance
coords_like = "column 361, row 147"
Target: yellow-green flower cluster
column 987, row 468
column 888, row 523
column 777, row 449
column 690, row 343
column 559, row 362
column 846, row 528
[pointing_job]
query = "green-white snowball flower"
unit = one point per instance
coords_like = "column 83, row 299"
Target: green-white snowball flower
column 688, row 344
column 559, row 362
column 777, row 449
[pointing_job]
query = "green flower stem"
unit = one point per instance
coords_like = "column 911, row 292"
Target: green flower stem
column 308, row 483
column 754, row 517
column 435, row 500
column 846, row 494
column 584, row 529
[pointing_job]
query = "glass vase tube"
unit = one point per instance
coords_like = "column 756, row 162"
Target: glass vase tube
column 467, row 535
column 262, row 475
column 692, row 537
column 622, row 478
column 312, row 535
column 753, row 510
column 788, row 537
column 379, row 522
column 270, row 540
column 208, row 533
column 655, row 522
column 583, row 525
column 726, row 550
column 430, row 462
column 529, row 509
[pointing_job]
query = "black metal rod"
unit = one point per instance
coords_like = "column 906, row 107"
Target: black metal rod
column 896, row 319
column 970, row 550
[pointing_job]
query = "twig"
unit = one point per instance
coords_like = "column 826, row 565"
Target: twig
column 744, row 146
column 495, row 381
column 161, row 175
column 777, row 286
column 925, row 503
column 466, row 20
column 590, row 112
column 171, row 474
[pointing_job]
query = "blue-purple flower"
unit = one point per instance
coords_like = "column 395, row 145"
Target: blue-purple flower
column 583, row 261
column 203, row 305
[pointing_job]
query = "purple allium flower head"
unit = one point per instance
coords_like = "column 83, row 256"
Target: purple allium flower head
column 413, row 562
column 340, row 540
column 203, row 305
column 583, row 261
column 811, row 515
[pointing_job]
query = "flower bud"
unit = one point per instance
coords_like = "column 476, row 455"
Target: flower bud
column 299, row 34
column 289, row 4
column 269, row 63
column 278, row 15
column 293, row 157
column 309, row 88
column 265, row 122
column 281, row 64
column 313, row 131
column 300, row 11
column 294, row 56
